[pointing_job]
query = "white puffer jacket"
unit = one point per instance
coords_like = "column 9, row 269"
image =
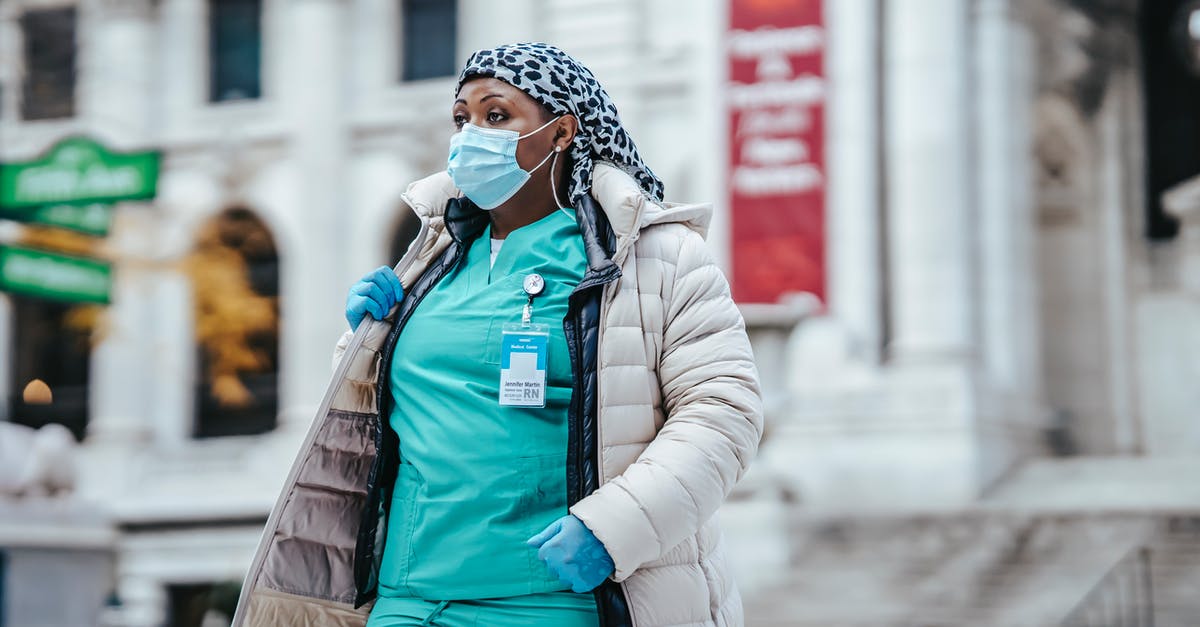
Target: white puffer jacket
column 680, row 411
column 679, row 419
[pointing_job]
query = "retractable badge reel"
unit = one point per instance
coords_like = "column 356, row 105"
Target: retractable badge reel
column 524, row 352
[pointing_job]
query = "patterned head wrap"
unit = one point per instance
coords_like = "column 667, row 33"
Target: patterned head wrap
column 563, row 86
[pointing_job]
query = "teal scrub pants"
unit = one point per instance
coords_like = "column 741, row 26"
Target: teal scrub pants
column 550, row 609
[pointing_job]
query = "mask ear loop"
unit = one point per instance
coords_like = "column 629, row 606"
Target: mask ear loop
column 553, row 186
column 538, row 129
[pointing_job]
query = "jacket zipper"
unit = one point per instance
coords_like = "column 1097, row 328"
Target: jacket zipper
column 385, row 499
column 576, row 352
column 618, row 259
column 576, row 347
column 604, row 306
column 339, row 374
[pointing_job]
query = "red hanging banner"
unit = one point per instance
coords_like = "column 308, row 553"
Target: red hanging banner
column 776, row 97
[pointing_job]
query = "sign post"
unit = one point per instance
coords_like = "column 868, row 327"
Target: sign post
column 776, row 98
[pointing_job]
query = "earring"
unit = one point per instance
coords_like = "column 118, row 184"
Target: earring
column 558, row 149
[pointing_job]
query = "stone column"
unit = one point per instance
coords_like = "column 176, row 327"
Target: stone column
column 117, row 56
column 10, row 55
column 854, row 198
column 172, row 358
column 929, row 178
column 1003, row 83
column 117, row 68
column 182, row 64
column 120, row 377
column 314, row 279
column 1009, row 408
column 938, row 418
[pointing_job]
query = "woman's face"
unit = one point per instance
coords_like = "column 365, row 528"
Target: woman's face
column 493, row 103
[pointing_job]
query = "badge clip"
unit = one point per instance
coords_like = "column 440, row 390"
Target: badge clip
column 533, row 285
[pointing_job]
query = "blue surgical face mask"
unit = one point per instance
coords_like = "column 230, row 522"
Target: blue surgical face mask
column 483, row 163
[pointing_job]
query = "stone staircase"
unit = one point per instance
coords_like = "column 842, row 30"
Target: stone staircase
column 984, row 568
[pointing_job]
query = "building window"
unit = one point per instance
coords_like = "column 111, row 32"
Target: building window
column 51, row 355
column 429, row 30
column 235, row 278
column 235, row 49
column 48, row 91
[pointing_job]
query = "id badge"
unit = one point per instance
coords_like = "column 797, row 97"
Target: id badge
column 524, row 351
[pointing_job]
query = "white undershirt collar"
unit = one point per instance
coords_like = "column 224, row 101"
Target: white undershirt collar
column 496, row 244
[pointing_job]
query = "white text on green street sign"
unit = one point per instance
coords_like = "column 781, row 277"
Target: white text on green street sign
column 49, row 184
column 50, row 275
column 79, row 170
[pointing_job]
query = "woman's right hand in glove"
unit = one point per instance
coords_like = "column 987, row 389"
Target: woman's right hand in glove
column 375, row 294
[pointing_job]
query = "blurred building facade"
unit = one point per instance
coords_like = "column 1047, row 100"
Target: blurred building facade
column 993, row 412
column 1048, row 294
column 996, row 421
column 288, row 131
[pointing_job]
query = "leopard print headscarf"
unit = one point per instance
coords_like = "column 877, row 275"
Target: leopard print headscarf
column 564, row 86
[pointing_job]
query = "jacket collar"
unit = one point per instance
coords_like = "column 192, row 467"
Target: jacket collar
column 464, row 220
column 609, row 225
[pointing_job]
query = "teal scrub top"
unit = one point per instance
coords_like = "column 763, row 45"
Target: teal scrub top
column 476, row 479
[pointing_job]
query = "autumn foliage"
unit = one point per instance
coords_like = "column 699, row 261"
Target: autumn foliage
column 235, row 323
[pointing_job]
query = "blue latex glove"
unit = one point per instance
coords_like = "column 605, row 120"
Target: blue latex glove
column 573, row 554
column 375, row 294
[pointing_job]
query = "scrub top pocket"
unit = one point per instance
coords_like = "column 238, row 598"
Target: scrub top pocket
column 401, row 526
column 448, row 552
column 545, row 490
column 549, row 308
column 505, row 301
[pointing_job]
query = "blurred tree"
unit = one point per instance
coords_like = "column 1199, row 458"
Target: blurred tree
column 234, row 273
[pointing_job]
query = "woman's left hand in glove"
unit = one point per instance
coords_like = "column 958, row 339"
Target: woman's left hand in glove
column 573, row 553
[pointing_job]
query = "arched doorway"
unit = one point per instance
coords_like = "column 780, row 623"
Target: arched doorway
column 235, row 277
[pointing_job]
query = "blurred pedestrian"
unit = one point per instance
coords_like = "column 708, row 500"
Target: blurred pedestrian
column 566, row 389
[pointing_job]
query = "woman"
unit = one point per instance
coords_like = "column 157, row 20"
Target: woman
column 544, row 403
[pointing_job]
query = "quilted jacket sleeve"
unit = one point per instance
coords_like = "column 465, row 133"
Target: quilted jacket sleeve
column 714, row 421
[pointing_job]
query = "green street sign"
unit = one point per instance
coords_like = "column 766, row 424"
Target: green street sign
column 79, row 170
column 51, row 275
column 90, row 219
